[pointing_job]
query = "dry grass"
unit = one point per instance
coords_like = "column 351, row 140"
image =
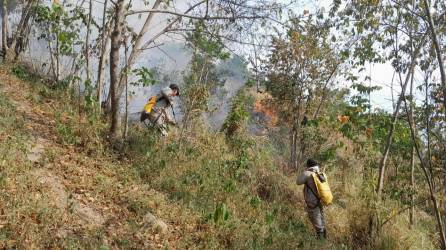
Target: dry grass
column 81, row 195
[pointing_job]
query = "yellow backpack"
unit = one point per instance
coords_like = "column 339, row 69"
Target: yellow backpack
column 150, row 104
column 323, row 189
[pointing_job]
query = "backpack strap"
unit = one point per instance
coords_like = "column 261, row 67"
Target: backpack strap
column 159, row 98
column 309, row 187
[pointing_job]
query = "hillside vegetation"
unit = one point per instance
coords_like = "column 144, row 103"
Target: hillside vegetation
column 62, row 186
column 249, row 94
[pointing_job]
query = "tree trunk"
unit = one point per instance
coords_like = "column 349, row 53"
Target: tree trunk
column 116, row 40
column 412, row 159
column 5, row 27
column 382, row 164
column 325, row 90
column 87, row 43
column 294, row 157
column 138, row 47
column 383, row 161
column 437, row 50
column 293, row 148
column 431, row 191
column 57, row 60
column 255, row 64
column 126, row 117
column 102, row 57
column 136, row 51
column 20, row 37
column 412, row 185
column 52, row 57
column 428, row 177
column 391, row 92
column 428, row 129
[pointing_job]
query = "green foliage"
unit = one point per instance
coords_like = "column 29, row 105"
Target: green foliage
column 65, row 129
column 221, row 213
column 22, row 73
column 145, row 77
column 205, row 44
column 239, row 113
column 90, row 97
column 294, row 71
column 202, row 77
column 59, row 26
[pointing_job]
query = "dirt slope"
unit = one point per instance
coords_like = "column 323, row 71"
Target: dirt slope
column 96, row 204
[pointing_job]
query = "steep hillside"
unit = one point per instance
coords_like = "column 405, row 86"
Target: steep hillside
column 58, row 193
column 61, row 187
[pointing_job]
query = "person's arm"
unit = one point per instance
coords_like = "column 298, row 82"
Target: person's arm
column 301, row 179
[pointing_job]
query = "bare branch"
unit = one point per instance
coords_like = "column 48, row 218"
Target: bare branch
column 232, row 18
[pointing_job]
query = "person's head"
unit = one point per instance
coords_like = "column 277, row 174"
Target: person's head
column 175, row 89
column 311, row 163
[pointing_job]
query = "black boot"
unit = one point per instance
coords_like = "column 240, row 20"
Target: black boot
column 320, row 235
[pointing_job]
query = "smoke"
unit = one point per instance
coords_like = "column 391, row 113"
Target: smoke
column 170, row 59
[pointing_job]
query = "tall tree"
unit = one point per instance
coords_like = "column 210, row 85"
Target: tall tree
column 295, row 75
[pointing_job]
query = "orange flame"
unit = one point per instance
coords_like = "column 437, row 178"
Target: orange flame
column 343, row 119
column 261, row 106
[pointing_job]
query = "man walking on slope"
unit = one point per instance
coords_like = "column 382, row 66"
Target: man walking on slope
column 156, row 109
column 314, row 206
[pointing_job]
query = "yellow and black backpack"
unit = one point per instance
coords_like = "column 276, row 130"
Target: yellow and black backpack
column 149, row 107
column 323, row 189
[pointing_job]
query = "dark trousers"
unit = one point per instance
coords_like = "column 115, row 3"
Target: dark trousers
column 317, row 218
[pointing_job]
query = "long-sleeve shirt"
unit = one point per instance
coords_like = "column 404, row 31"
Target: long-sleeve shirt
column 310, row 190
column 165, row 100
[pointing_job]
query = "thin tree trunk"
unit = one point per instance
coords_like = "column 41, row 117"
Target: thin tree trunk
column 428, row 129
column 412, row 160
column 293, row 148
column 391, row 92
column 139, row 39
column 382, row 164
column 102, row 57
column 116, row 40
column 87, row 43
column 126, row 118
column 412, row 185
column 324, row 91
column 52, row 56
column 75, row 68
column 294, row 159
column 5, row 27
column 437, row 50
column 428, row 175
column 57, row 60
column 428, row 180
column 383, row 161
column 256, row 66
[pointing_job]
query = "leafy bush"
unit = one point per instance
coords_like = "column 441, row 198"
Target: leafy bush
column 239, row 113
